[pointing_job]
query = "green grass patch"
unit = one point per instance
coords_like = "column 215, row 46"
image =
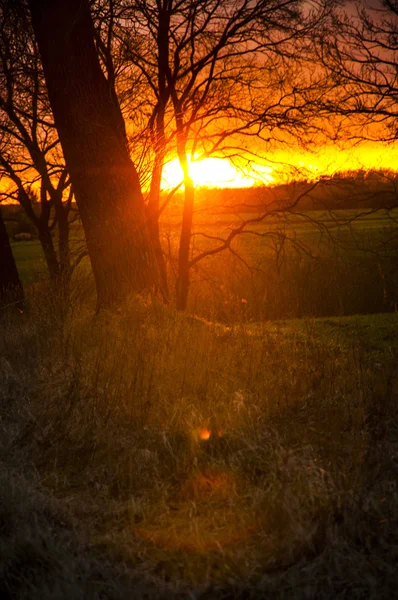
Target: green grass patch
column 320, row 264
column 30, row 261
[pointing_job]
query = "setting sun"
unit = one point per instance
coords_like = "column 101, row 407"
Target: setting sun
column 215, row 172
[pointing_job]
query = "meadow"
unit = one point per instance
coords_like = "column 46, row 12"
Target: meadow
column 300, row 264
column 213, row 454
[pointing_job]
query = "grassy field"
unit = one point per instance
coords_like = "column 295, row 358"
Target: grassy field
column 216, row 454
column 310, row 264
column 148, row 454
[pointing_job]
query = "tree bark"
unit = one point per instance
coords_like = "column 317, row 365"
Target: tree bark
column 11, row 290
column 91, row 131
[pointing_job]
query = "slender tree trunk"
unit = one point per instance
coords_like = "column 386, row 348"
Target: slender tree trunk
column 182, row 284
column 158, row 139
column 61, row 213
column 63, row 246
column 152, row 217
column 90, row 127
column 45, row 236
column 11, row 290
column 49, row 252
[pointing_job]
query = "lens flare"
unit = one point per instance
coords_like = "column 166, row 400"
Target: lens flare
column 204, row 434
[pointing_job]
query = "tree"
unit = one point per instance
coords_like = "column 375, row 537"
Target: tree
column 215, row 76
column 91, row 130
column 11, row 290
column 31, row 162
column 359, row 51
column 114, row 20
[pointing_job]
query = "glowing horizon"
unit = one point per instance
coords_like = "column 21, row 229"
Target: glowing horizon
column 276, row 168
column 282, row 167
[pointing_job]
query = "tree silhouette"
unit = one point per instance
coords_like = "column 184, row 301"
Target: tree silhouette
column 212, row 78
column 31, row 160
column 360, row 54
column 11, row 290
column 91, row 130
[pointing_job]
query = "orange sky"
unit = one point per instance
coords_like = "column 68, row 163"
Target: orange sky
column 284, row 166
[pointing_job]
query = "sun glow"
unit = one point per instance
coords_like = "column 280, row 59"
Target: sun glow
column 215, row 172
column 284, row 166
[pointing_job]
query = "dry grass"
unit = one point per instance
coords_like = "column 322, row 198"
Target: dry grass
column 107, row 482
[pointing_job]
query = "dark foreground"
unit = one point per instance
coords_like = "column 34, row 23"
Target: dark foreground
column 110, row 489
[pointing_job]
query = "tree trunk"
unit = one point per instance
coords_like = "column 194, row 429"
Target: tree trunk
column 50, row 255
column 182, row 285
column 11, row 290
column 90, row 127
column 61, row 213
column 152, row 217
column 158, row 140
column 63, row 246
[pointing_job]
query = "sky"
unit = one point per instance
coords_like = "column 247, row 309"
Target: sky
column 284, row 167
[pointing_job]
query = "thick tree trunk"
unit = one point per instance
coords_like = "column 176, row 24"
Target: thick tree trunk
column 11, row 290
column 90, row 127
column 182, row 285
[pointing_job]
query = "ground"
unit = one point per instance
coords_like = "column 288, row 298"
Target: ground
column 155, row 455
column 232, row 452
